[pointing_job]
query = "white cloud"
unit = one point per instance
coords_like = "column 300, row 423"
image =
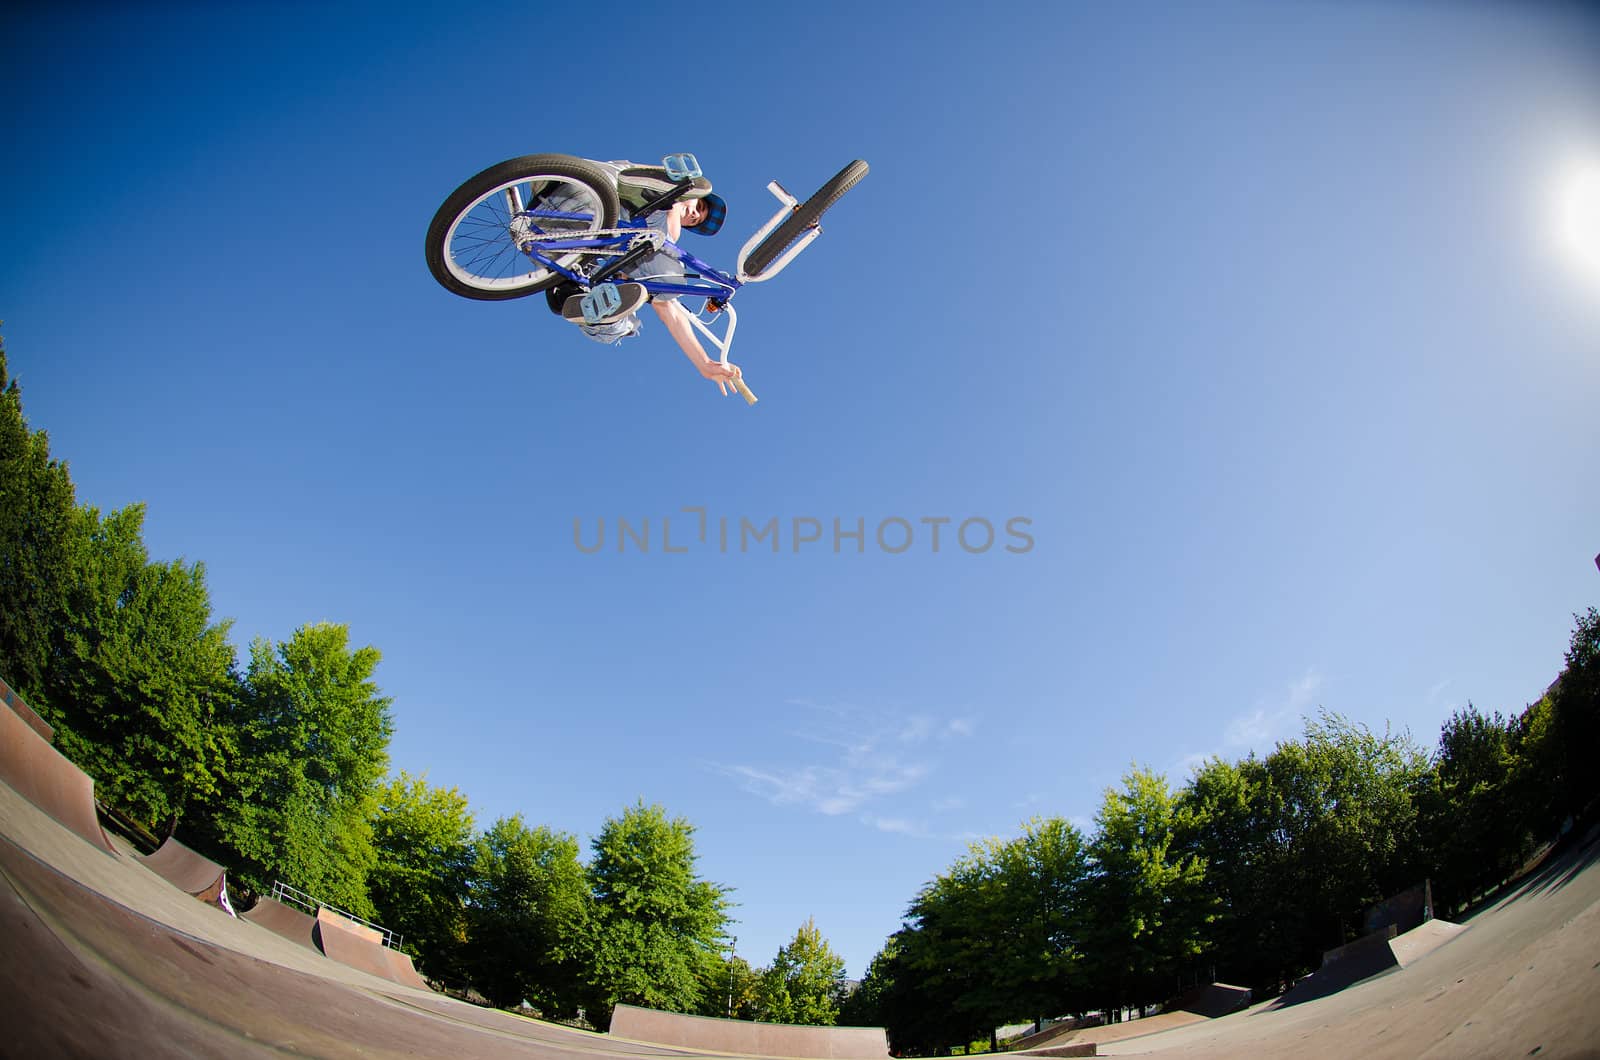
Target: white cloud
column 1272, row 720
column 960, row 728
column 870, row 760
column 896, row 826
column 1189, row 763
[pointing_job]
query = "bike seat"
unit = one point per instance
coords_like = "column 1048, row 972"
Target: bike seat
column 636, row 184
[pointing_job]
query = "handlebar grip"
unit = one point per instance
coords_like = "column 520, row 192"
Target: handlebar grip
column 744, row 391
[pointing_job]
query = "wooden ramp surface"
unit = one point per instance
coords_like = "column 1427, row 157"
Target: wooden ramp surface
column 286, row 921
column 743, row 1036
column 185, row 869
column 355, row 945
column 40, row 774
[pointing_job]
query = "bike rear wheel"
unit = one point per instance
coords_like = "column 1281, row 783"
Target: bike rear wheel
column 806, row 215
column 474, row 244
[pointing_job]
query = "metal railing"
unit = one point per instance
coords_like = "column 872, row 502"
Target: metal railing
column 282, row 892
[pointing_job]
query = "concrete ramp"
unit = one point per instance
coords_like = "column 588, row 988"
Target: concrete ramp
column 40, row 774
column 1374, row 954
column 1364, row 958
column 357, row 946
column 743, row 1036
column 402, row 971
column 190, row 872
column 285, row 921
column 9, row 696
column 1212, row 1000
column 1421, row 941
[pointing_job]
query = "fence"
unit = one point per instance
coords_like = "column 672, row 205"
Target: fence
column 282, row 892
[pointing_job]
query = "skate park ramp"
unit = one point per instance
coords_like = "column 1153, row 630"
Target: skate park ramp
column 1193, row 1006
column 1212, row 1000
column 9, row 697
column 40, row 774
column 188, row 871
column 285, row 921
column 1518, row 979
column 746, row 1037
column 358, row 946
column 1364, row 958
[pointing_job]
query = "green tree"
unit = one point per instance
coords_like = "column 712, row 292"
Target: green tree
column 313, row 735
column 995, row 938
column 1470, row 825
column 1148, row 907
column 1537, row 763
column 1577, row 717
column 872, row 1002
column 1229, row 819
column 423, row 837
column 658, row 927
column 731, row 991
column 142, row 678
column 804, row 981
column 1349, row 814
column 36, row 514
column 529, row 921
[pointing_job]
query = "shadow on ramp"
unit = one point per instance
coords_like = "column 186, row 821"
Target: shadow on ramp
column 1364, row 958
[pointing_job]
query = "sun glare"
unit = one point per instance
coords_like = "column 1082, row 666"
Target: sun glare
column 1577, row 217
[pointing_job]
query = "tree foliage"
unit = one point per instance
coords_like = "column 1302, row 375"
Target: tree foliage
column 1576, row 703
column 142, row 678
column 732, row 991
column 529, row 923
column 36, row 513
column 424, row 841
column 996, row 938
column 1148, row 906
column 658, row 926
column 313, row 734
column 803, row 983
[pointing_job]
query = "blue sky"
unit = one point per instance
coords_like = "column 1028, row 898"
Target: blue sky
column 1265, row 316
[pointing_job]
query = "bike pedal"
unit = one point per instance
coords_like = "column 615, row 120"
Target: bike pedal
column 601, row 303
column 682, row 167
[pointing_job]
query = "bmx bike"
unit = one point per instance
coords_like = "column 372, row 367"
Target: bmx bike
column 545, row 222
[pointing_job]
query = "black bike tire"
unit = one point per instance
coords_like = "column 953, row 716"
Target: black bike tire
column 570, row 167
column 805, row 215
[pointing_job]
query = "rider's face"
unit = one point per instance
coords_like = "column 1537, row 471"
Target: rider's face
column 694, row 211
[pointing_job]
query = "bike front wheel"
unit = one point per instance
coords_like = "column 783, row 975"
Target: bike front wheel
column 475, row 245
column 805, row 216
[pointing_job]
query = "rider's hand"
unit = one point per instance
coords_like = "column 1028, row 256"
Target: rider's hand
column 720, row 374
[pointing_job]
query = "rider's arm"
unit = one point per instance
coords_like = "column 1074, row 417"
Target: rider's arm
column 676, row 318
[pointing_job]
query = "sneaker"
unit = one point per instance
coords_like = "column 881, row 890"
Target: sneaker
column 633, row 296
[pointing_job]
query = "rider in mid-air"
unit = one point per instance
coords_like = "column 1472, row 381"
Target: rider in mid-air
column 699, row 211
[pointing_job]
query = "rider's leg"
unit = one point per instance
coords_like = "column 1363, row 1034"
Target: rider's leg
column 610, row 334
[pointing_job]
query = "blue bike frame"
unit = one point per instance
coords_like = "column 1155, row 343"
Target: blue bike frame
column 710, row 282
